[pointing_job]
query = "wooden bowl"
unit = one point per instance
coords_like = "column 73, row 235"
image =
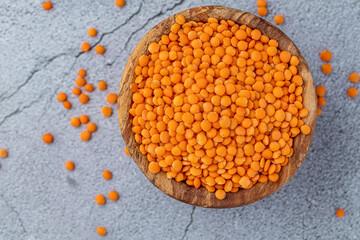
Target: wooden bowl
column 201, row 197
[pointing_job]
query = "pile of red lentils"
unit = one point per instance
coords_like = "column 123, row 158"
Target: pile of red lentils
column 217, row 105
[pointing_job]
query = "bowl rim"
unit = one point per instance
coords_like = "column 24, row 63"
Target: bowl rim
column 191, row 195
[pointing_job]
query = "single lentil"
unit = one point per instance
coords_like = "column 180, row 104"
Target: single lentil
column 69, row 165
column 48, row 138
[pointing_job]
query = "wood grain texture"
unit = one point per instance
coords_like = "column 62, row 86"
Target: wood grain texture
column 201, row 197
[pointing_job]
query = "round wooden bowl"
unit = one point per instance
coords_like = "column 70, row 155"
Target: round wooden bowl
column 201, row 197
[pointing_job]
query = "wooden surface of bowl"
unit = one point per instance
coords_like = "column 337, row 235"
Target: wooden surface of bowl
column 201, row 197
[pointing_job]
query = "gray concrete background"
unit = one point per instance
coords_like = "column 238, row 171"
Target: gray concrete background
column 39, row 199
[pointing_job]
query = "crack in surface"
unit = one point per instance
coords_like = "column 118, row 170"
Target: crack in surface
column 32, row 73
column 114, row 30
column 189, row 224
column 15, row 211
column 144, row 25
column 17, row 111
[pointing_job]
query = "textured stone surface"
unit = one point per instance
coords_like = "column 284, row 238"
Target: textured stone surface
column 39, row 199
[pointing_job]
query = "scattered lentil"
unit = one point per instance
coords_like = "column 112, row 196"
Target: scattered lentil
column 92, row 32
column 107, row 174
column 101, row 231
column 75, row 122
column 83, row 98
column 320, row 91
column 69, row 165
column 84, row 119
column 100, row 49
column 76, row 91
column 91, row 127
column 319, row 111
column 85, row 46
column 3, row 153
column 279, row 19
column 321, row 101
column 113, row 195
column 340, row 213
column 326, row 68
column 325, row 55
column 80, row 81
column 106, row 111
column 47, row 5
column 120, row 3
column 111, row 98
column 261, row 3
column 89, row 87
column 82, row 72
column 85, row 136
column 262, row 11
column 100, row 199
column 102, row 85
column 354, row 77
column 61, row 97
column 352, row 92
column 48, row 138
column 67, row 104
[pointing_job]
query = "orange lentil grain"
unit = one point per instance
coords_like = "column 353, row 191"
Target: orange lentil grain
column 321, row 101
column 91, row 127
column 352, row 92
column 85, row 136
column 99, row 49
column 278, row 19
column 92, row 32
column 102, row 85
column 48, row 138
column 107, row 174
column 76, row 91
column 69, row 165
column 3, row 153
column 326, row 68
column 340, row 213
column 82, row 72
column 320, row 91
column 84, row 119
column 67, row 104
column 180, row 19
column 354, row 77
column 100, row 199
column 325, row 55
column 106, row 111
column 318, row 112
column 220, row 194
column 83, row 98
column 101, row 231
column 85, row 46
column 75, row 122
column 120, row 3
column 113, row 195
column 111, row 98
column 61, row 97
column 47, row 5
column 261, row 3
column 262, row 11
column 89, row 87
column 80, row 81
